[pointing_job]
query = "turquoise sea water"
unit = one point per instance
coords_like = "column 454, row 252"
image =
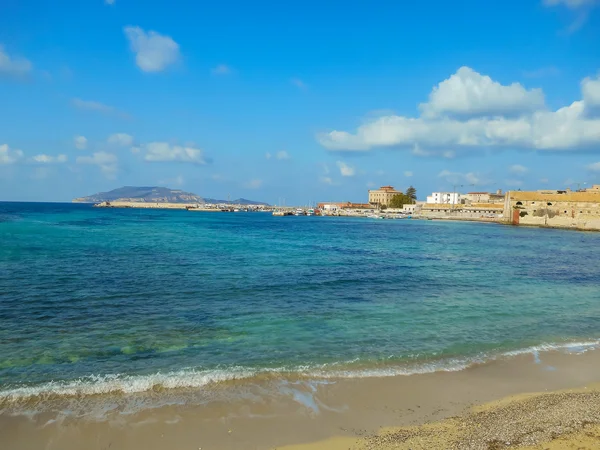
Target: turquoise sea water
column 99, row 300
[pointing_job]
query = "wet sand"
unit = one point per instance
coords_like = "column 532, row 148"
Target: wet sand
column 436, row 410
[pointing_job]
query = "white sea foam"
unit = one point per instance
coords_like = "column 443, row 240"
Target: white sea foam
column 190, row 379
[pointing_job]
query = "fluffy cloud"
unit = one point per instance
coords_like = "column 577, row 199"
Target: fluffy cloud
column 327, row 180
column 408, row 173
column 120, row 139
column 590, row 89
column 268, row 155
column 518, row 169
column 468, row 93
column 253, row 184
column 153, row 51
column 107, row 162
column 8, row 156
column 595, row 167
column 221, row 69
column 47, row 159
column 568, row 128
column 80, row 142
column 345, row 169
column 165, row 152
column 13, row 66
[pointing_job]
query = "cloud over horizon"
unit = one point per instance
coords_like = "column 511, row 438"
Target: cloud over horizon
column 468, row 117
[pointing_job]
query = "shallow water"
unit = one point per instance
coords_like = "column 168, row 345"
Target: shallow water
column 98, row 300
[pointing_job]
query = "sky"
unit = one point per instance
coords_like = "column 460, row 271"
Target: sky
column 297, row 102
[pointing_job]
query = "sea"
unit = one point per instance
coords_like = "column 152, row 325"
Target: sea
column 144, row 305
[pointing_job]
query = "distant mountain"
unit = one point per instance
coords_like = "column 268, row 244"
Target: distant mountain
column 152, row 194
column 239, row 201
column 156, row 194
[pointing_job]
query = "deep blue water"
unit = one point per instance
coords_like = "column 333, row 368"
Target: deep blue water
column 165, row 295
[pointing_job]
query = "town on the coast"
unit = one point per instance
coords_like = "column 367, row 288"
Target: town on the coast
column 578, row 209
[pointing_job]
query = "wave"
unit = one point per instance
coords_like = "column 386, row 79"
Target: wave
column 12, row 397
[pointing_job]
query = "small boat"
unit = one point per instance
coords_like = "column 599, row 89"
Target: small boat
column 310, row 212
column 300, row 212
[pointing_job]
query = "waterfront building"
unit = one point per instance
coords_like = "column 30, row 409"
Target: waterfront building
column 451, row 198
column 484, row 197
column 334, row 206
column 554, row 208
column 382, row 196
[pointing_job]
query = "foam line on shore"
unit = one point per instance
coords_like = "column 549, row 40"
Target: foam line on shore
column 97, row 385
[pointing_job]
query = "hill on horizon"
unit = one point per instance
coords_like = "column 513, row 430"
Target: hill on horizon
column 155, row 194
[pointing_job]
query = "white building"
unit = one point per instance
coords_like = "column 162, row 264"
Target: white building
column 452, row 198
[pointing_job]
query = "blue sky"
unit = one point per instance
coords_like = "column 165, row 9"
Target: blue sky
column 310, row 101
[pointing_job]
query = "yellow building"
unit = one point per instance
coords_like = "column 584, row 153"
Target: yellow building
column 560, row 209
column 382, row 196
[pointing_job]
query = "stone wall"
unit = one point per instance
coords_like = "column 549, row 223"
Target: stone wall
column 579, row 210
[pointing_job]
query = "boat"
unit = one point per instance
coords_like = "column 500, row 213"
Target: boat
column 300, row 212
column 310, row 212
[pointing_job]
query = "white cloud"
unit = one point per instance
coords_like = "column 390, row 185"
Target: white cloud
column 518, row 169
column 165, row 152
column 345, row 169
column 408, row 173
column 8, row 156
column 221, row 69
column 107, row 162
column 13, row 66
column 120, row 139
column 458, row 178
column 371, row 184
column 468, row 93
column 153, row 51
column 298, row 83
column 544, row 180
column 268, row 155
column 595, row 167
column 449, row 154
column 590, row 89
column 80, row 142
column 327, row 180
column 568, row 128
column 253, row 184
column 282, row 155
column 47, row 159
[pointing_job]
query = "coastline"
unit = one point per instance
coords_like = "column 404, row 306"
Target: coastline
column 354, row 412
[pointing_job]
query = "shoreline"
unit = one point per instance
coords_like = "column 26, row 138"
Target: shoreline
column 277, row 412
column 544, row 421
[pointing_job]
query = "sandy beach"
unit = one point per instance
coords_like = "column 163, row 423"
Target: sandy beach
column 525, row 405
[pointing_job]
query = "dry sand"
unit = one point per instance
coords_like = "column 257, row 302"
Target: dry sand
column 428, row 411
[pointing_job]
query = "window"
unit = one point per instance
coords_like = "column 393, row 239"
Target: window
column 549, row 204
column 519, row 203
